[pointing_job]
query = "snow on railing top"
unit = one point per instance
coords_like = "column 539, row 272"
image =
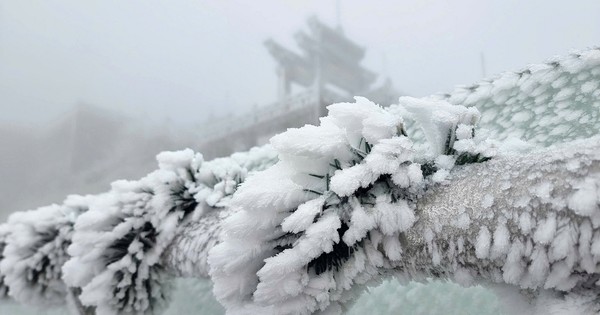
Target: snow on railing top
column 223, row 127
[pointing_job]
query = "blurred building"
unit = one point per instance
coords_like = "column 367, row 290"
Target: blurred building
column 326, row 69
column 82, row 152
column 89, row 147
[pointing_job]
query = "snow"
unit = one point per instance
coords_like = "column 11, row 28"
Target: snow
column 437, row 119
column 338, row 207
column 482, row 244
column 512, row 97
column 393, row 217
column 463, row 221
column 488, row 201
column 303, row 217
column 585, row 201
column 36, row 242
column 130, row 227
column 545, row 230
column 501, row 243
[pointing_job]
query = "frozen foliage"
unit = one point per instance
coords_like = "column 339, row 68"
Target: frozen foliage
column 4, row 230
column 120, row 274
column 116, row 245
column 332, row 214
column 364, row 195
column 36, row 244
column 130, row 227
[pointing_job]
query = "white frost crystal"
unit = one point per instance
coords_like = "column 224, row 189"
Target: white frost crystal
column 343, row 200
column 36, row 249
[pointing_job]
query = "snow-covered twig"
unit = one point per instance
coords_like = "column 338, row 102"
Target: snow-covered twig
column 115, row 246
column 4, row 231
column 128, row 228
column 36, row 249
column 531, row 221
column 350, row 201
column 342, row 192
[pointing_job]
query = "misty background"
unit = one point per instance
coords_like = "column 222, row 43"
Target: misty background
column 90, row 91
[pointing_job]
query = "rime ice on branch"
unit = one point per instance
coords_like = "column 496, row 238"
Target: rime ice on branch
column 130, row 227
column 36, row 249
column 362, row 196
column 332, row 214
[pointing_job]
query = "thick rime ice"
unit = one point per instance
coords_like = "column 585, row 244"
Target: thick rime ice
column 36, row 249
column 369, row 192
column 115, row 240
column 130, row 227
column 440, row 121
column 316, row 228
column 540, row 103
column 547, row 245
column 4, row 231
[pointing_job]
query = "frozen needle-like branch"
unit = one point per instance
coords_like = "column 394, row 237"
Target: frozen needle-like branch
column 520, row 220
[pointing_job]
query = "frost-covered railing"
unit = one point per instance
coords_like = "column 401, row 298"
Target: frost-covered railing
column 223, row 127
column 330, row 209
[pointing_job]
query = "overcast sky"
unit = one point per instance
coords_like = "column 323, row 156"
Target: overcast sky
column 182, row 60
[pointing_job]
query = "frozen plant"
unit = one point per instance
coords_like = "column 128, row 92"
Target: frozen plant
column 365, row 195
column 130, row 227
column 35, row 250
column 331, row 215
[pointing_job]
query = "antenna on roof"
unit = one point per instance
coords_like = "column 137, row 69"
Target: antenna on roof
column 338, row 8
column 384, row 65
column 482, row 59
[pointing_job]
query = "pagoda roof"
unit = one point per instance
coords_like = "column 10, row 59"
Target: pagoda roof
column 326, row 52
column 334, row 39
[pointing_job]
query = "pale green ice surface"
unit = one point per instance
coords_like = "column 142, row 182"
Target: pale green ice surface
column 434, row 298
column 194, row 296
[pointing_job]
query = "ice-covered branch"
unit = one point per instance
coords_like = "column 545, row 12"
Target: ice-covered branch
column 340, row 210
column 129, row 228
column 36, row 249
column 187, row 256
column 115, row 240
column 330, row 216
column 531, row 221
column 364, row 195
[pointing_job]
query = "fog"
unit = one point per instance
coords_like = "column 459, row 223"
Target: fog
column 91, row 90
column 183, row 60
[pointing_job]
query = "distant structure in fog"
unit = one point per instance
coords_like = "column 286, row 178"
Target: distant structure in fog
column 327, row 70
